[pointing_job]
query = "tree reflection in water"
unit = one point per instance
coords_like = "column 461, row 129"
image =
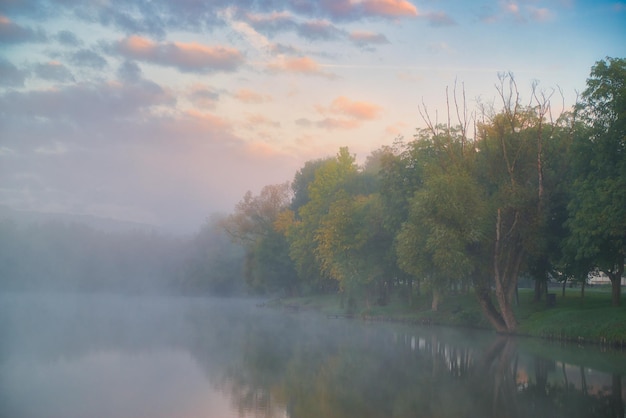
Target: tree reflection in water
column 347, row 369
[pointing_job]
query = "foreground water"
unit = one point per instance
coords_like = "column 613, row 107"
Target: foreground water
column 72, row 356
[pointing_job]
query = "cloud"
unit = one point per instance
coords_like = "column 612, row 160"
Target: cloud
column 336, row 123
column 253, row 121
column 269, row 23
column 12, row 33
column 389, row 8
column 344, row 113
column 203, row 96
column 187, row 57
column 519, row 12
column 68, row 38
column 298, row 65
column 282, row 49
column 249, row 96
column 53, row 71
column 355, row 109
column 10, row 75
column 439, row 47
column 365, row 38
column 320, row 30
column 84, row 105
column 129, row 72
column 88, row 58
column 303, row 122
column 277, row 22
column 193, row 123
column 439, row 19
column 540, row 14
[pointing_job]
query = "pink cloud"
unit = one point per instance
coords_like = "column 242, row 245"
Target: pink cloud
column 256, row 120
column 391, row 8
column 355, row 109
column 344, row 113
column 298, row 65
column 249, row 96
column 188, row 57
column 194, row 123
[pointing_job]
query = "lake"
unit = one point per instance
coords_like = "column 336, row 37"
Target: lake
column 97, row 356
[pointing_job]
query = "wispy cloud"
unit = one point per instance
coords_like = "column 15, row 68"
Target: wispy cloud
column 12, row 33
column 365, row 38
column 298, row 65
column 389, row 8
column 88, row 58
column 249, row 96
column 519, row 12
column 356, row 109
column 187, row 57
column 53, row 71
column 203, row 96
column 68, row 38
column 86, row 105
column 439, row 19
column 345, row 113
column 10, row 75
column 320, row 30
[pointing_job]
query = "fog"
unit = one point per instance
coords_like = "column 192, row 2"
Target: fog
column 67, row 254
column 76, row 355
column 111, row 356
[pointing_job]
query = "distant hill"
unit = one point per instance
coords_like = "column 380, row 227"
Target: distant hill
column 23, row 217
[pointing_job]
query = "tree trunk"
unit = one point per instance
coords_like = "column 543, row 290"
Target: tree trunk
column 507, row 258
column 616, row 282
column 616, row 289
column 436, row 299
column 488, row 308
column 538, row 290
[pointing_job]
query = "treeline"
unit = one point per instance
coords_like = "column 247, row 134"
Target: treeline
column 489, row 196
column 70, row 256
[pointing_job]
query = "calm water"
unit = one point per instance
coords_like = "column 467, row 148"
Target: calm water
column 103, row 356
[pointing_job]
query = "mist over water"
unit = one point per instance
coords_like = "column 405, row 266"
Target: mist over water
column 78, row 355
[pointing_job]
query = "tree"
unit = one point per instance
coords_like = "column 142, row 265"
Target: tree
column 253, row 225
column 597, row 210
column 437, row 242
column 213, row 263
column 351, row 245
column 330, row 179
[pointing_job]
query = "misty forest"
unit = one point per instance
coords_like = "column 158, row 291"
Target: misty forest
column 479, row 200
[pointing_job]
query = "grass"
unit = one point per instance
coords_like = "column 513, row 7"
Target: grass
column 591, row 319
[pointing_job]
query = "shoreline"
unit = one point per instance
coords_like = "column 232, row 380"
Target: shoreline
column 588, row 321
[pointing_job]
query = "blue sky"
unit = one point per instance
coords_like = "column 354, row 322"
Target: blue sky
column 165, row 111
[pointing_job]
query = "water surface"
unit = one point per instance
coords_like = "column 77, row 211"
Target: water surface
column 131, row 357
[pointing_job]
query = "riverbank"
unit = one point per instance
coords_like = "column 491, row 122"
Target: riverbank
column 589, row 320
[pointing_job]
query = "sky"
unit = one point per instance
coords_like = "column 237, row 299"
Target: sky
column 167, row 111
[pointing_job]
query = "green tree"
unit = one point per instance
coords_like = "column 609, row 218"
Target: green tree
column 253, row 225
column 351, row 246
column 330, row 180
column 597, row 210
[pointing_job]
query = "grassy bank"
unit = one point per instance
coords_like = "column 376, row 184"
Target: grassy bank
column 591, row 319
